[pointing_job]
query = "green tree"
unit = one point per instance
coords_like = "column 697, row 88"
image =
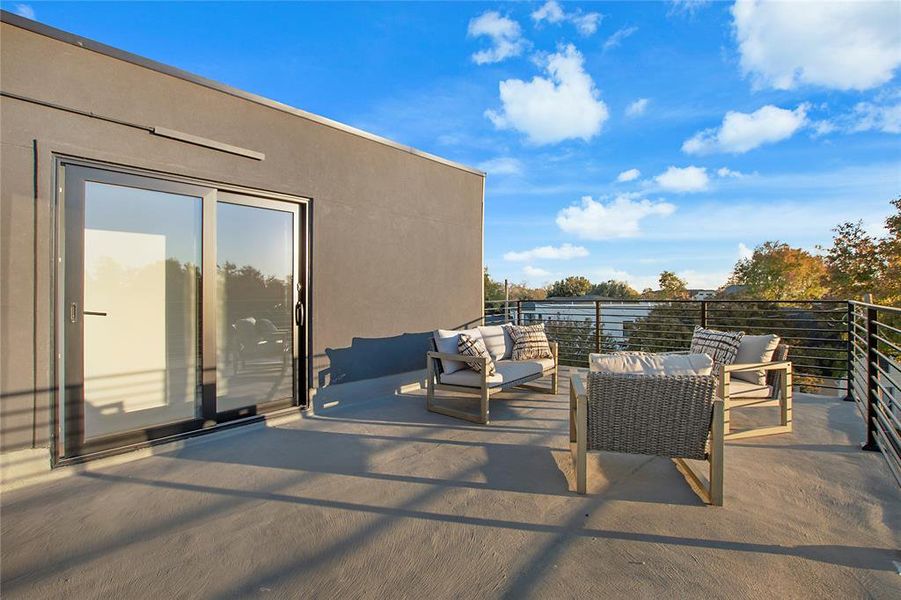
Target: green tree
column 672, row 287
column 494, row 290
column 889, row 286
column 571, row 287
column 614, row 289
column 853, row 262
column 776, row 271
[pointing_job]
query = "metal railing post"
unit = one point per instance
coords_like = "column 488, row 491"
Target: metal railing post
column 597, row 326
column 519, row 312
column 872, row 374
column 849, row 397
column 704, row 314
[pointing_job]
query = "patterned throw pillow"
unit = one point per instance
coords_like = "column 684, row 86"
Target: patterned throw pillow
column 472, row 346
column 529, row 342
column 721, row 346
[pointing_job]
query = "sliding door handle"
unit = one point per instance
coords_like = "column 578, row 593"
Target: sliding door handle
column 298, row 314
column 95, row 313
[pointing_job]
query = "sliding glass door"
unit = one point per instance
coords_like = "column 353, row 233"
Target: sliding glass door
column 181, row 307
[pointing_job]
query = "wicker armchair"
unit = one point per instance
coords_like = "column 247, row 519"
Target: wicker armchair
column 777, row 392
column 678, row 417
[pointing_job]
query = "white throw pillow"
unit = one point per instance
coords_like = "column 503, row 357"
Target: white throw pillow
column 497, row 340
column 755, row 349
column 648, row 363
column 446, row 341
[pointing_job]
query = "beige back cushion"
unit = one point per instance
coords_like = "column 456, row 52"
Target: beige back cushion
column 755, row 349
column 648, row 363
column 446, row 341
column 497, row 340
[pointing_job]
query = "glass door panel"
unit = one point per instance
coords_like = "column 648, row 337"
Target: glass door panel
column 140, row 308
column 256, row 260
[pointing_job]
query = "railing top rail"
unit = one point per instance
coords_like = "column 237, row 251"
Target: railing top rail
column 891, row 309
column 583, row 300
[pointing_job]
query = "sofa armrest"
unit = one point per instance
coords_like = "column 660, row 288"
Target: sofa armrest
column 781, row 365
column 555, row 351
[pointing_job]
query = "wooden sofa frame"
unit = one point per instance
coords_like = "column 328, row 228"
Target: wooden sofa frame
column 781, row 397
column 484, row 391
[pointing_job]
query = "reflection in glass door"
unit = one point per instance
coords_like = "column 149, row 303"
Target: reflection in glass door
column 179, row 309
column 256, row 264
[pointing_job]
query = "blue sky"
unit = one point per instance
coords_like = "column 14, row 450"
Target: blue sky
column 620, row 139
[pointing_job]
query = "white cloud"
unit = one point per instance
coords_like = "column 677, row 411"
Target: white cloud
column 727, row 172
column 744, row 252
column 841, row 45
column 741, row 132
column 24, row 10
column 552, row 12
column 685, row 179
column 618, row 36
column 536, row 277
column 630, row 175
column 565, row 105
column 868, row 116
column 505, row 35
column 620, row 218
column 587, row 23
column 565, row 252
column 687, row 6
column 501, row 165
column 637, row 108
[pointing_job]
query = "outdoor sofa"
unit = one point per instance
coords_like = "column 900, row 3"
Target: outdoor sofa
column 448, row 370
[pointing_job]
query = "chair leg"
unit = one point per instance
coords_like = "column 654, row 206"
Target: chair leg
column 430, row 384
column 786, row 403
column 581, row 459
column 717, row 446
column 485, row 397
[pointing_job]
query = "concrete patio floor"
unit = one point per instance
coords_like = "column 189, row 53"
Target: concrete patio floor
column 377, row 498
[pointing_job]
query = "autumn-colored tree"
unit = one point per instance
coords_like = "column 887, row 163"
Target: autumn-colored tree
column 672, row 286
column 889, row 288
column 614, row 289
column 853, row 263
column 494, row 290
column 776, row 271
column 571, row 287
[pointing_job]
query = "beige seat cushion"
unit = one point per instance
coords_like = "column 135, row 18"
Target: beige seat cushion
column 755, row 349
column 507, row 371
column 746, row 389
column 648, row 363
column 497, row 340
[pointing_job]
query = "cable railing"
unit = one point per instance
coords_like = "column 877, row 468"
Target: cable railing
column 875, row 376
column 838, row 348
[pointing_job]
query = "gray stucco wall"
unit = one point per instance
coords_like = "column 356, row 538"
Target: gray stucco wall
column 397, row 237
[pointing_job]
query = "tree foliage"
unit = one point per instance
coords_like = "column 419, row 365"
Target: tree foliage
column 853, row 264
column 614, row 289
column 571, row 287
column 776, row 271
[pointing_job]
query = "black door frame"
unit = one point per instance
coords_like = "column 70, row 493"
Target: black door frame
column 68, row 431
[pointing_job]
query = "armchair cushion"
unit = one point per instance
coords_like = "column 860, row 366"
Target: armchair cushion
column 755, row 349
column 648, row 363
column 446, row 341
column 497, row 340
column 529, row 342
column 721, row 346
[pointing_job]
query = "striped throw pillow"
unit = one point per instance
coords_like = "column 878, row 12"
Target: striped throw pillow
column 472, row 346
column 529, row 342
column 721, row 346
